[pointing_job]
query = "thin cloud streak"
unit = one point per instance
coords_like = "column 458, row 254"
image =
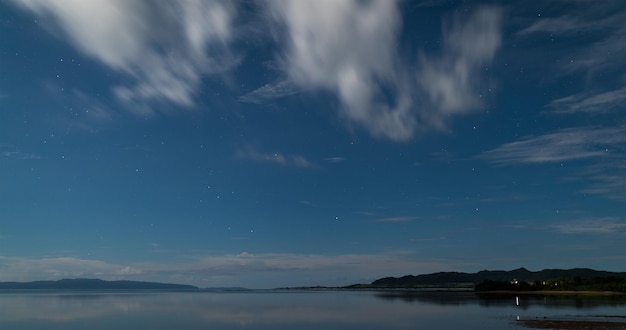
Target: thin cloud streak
column 397, row 219
column 275, row 158
column 608, row 177
column 593, row 226
column 270, row 92
column 602, row 149
column 335, row 160
column 562, row 145
column 595, row 60
column 606, row 21
column 598, row 103
column 20, row 155
column 565, row 24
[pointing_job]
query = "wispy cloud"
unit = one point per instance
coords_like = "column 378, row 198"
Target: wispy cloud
column 256, row 270
column 275, row 158
column 601, row 62
column 605, row 22
column 397, row 219
column 600, row 59
column 308, row 203
column 608, row 225
column 565, row 24
column 347, row 63
column 601, row 147
column 304, row 269
column 11, row 151
column 335, row 160
column 451, row 80
column 29, row 269
column 20, row 155
column 597, row 103
column 270, row 92
column 357, row 71
column 609, row 177
column 164, row 48
column 562, row 145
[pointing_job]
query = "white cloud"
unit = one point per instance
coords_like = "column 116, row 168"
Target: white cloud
column 351, row 49
column 128, row 271
column 164, row 47
column 450, row 81
column 347, row 48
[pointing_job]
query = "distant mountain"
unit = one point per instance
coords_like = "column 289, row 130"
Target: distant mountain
column 224, row 289
column 92, row 284
column 458, row 279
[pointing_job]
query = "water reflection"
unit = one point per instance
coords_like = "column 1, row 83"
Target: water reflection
column 524, row 301
column 552, row 300
column 277, row 310
column 197, row 310
column 431, row 297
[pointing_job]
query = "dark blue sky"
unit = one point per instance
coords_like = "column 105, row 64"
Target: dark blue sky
column 279, row 143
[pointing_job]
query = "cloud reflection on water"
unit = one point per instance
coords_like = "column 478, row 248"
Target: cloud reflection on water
column 286, row 309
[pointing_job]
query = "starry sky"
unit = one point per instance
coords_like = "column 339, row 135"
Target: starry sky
column 311, row 142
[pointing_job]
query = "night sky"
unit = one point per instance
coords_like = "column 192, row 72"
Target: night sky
column 310, row 142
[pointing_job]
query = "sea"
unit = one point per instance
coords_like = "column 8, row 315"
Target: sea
column 300, row 309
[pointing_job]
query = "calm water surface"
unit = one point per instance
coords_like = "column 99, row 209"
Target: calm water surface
column 291, row 310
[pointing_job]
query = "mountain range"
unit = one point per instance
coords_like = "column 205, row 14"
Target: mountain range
column 433, row 280
column 459, row 279
column 92, row 284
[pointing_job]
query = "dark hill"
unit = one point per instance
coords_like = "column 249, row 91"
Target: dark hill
column 92, row 284
column 452, row 279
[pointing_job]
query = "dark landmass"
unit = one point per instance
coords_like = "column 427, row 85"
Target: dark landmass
column 315, row 287
column 92, row 284
column 571, row 324
column 225, row 289
column 576, row 279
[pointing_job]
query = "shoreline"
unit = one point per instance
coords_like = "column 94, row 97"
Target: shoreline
column 568, row 292
column 571, row 324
